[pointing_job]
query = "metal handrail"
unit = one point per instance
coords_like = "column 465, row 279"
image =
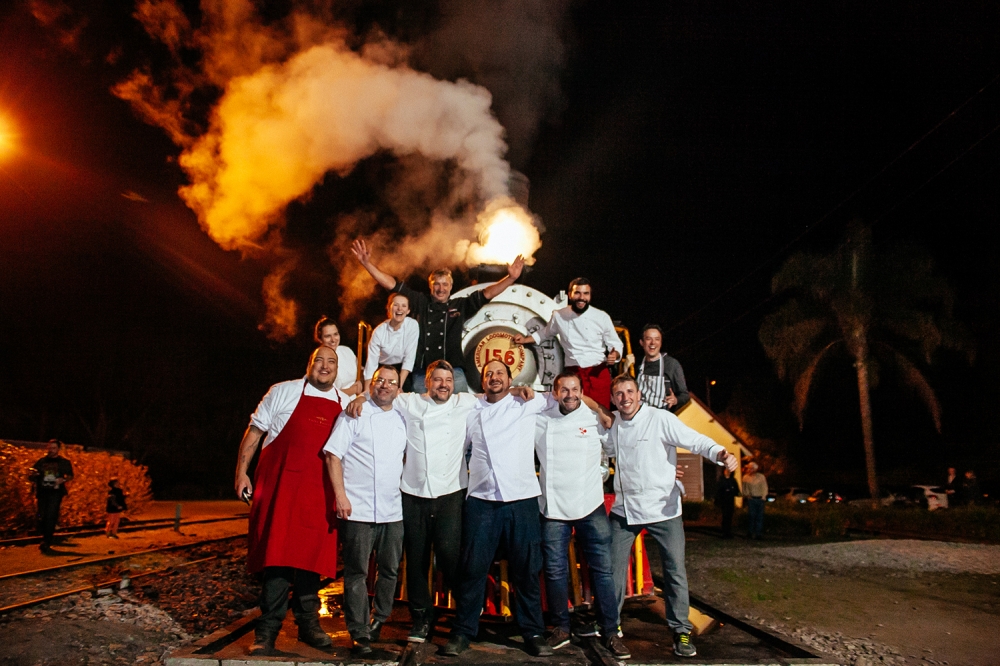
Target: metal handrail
column 622, row 331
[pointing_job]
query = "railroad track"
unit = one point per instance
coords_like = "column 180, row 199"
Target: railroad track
column 131, row 526
column 112, row 582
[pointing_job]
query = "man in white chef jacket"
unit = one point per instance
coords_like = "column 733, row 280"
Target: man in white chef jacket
column 644, row 442
column 501, row 504
column 588, row 338
column 568, row 442
column 364, row 459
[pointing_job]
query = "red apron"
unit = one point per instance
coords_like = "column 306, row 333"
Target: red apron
column 293, row 520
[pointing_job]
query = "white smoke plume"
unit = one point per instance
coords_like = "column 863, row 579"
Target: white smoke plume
column 295, row 102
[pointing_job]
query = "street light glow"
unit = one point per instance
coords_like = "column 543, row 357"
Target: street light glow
column 8, row 136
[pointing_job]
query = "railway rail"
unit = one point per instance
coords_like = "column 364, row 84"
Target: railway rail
column 94, row 586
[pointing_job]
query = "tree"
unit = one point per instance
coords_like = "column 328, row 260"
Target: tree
column 869, row 305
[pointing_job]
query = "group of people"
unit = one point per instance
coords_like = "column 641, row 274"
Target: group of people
column 441, row 470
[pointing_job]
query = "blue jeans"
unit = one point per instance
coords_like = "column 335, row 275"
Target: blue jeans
column 593, row 536
column 484, row 527
column 755, row 517
column 420, row 380
column 669, row 535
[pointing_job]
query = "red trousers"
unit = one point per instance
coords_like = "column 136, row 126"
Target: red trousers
column 596, row 383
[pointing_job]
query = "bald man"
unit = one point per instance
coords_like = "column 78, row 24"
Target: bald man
column 293, row 525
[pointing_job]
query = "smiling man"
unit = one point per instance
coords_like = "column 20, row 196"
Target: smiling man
column 364, row 460
column 440, row 316
column 501, row 506
column 644, row 443
column 588, row 338
column 660, row 376
column 293, row 532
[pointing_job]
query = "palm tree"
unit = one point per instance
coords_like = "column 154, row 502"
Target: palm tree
column 868, row 305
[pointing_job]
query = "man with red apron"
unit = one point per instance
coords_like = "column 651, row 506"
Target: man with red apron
column 588, row 338
column 293, row 523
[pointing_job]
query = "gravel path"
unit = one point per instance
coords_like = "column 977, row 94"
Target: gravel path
column 905, row 554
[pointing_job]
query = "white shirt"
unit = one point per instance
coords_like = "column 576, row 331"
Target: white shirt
column 569, row 448
column 501, row 442
column 280, row 401
column 371, row 448
column 388, row 346
column 435, row 443
column 646, row 467
column 347, row 368
column 584, row 337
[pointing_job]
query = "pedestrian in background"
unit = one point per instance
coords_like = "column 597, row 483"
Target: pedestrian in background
column 725, row 499
column 971, row 493
column 755, row 492
column 115, row 508
column 50, row 474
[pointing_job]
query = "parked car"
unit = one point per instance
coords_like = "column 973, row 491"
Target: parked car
column 931, row 498
column 795, row 495
column 825, row 497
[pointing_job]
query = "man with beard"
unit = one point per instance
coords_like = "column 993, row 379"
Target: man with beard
column 293, row 533
column 441, row 317
column 644, row 443
column 364, row 459
column 588, row 338
column 433, row 486
column 568, row 443
column 501, row 506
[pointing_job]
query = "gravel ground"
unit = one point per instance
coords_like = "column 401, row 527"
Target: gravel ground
column 903, row 554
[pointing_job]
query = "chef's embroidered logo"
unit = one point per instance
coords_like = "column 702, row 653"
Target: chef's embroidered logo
column 322, row 420
column 583, row 431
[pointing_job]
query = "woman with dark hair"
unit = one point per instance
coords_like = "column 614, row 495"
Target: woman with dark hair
column 327, row 333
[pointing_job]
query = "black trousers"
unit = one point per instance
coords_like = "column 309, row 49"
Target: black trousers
column 430, row 522
column 277, row 583
column 727, row 518
column 48, row 515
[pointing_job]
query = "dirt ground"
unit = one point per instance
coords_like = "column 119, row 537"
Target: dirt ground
column 834, row 599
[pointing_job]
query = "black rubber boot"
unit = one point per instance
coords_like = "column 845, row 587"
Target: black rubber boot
column 311, row 633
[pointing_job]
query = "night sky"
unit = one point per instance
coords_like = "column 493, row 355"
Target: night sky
column 690, row 148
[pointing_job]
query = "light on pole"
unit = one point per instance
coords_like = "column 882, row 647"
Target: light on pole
column 709, row 383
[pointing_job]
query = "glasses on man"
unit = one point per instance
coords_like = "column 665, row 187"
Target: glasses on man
column 385, row 382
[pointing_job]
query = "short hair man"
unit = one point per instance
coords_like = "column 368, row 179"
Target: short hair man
column 50, row 473
column 660, row 376
column 433, row 486
column 569, row 442
column 440, row 316
column 644, row 443
column 293, row 532
column 501, row 505
column 364, row 459
column 588, row 338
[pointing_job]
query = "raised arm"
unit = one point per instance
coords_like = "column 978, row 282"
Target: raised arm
column 364, row 256
column 513, row 273
column 248, row 447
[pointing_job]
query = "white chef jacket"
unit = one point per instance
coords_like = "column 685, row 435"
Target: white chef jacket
column 584, row 337
column 569, row 448
column 280, row 401
column 501, row 445
column 347, row 368
column 435, row 443
column 389, row 347
column 645, row 449
column 371, row 449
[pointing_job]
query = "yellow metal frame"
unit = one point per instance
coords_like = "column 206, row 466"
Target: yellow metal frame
column 622, row 331
column 364, row 335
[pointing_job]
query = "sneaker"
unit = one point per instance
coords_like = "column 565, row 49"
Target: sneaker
column 456, row 646
column 421, row 627
column 683, row 647
column 537, row 646
column 616, row 647
column 558, row 638
column 587, row 630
